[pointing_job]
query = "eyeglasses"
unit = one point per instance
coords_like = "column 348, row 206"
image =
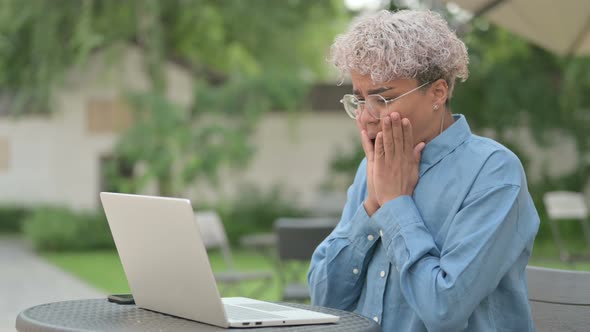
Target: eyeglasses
column 375, row 104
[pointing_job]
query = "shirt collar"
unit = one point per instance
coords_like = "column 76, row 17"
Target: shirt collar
column 445, row 143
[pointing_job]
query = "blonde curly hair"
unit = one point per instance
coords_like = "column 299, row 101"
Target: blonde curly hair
column 416, row 44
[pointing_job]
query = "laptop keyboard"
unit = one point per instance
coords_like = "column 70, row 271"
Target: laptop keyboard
column 241, row 313
column 267, row 307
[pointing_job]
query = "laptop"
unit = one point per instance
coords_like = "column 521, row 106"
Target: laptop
column 168, row 270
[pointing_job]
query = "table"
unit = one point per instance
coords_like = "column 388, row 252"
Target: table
column 101, row 315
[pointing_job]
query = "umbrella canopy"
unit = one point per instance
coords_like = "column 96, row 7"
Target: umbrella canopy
column 561, row 26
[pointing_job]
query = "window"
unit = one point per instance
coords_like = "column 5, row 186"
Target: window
column 107, row 116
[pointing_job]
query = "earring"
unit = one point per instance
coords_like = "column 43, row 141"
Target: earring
column 435, row 107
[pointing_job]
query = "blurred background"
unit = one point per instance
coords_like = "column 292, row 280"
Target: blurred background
column 231, row 103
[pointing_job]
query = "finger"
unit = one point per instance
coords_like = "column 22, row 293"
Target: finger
column 408, row 138
column 418, row 151
column 387, row 137
column 398, row 136
column 367, row 146
column 379, row 152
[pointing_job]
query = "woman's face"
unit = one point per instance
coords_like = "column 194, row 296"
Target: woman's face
column 417, row 106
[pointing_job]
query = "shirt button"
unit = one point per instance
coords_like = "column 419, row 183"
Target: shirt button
column 370, row 237
column 381, row 232
column 355, row 271
column 382, row 274
column 376, row 319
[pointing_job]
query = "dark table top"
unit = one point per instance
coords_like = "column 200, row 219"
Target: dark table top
column 101, row 315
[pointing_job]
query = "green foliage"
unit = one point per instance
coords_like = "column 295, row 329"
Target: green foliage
column 513, row 84
column 11, row 218
column 251, row 56
column 60, row 229
column 255, row 211
column 226, row 44
column 42, row 39
column 251, row 37
column 510, row 82
column 178, row 146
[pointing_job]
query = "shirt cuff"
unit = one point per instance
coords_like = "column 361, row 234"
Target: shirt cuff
column 364, row 231
column 402, row 229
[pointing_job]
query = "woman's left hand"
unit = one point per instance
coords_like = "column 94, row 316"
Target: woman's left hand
column 395, row 171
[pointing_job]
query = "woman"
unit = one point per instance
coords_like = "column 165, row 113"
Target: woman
column 439, row 225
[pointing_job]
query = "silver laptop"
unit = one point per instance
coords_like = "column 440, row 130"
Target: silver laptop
column 168, row 270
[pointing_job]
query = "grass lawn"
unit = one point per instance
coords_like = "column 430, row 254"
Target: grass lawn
column 545, row 254
column 103, row 268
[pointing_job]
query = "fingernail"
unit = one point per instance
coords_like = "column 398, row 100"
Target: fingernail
column 395, row 116
column 405, row 121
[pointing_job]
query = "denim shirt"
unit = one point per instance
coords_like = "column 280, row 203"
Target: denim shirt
column 450, row 258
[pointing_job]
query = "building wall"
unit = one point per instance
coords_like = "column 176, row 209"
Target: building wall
column 56, row 159
column 291, row 151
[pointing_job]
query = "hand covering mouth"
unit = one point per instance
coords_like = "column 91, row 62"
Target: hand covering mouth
column 373, row 137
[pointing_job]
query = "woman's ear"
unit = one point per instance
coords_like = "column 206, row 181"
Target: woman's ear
column 440, row 90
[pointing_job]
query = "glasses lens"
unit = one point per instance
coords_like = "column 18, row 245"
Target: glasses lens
column 376, row 105
column 351, row 105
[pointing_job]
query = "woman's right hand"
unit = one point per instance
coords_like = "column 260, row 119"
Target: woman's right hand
column 371, row 204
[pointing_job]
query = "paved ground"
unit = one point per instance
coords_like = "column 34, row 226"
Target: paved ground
column 27, row 280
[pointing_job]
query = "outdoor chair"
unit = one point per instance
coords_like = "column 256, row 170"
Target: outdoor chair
column 297, row 239
column 559, row 299
column 214, row 237
column 565, row 205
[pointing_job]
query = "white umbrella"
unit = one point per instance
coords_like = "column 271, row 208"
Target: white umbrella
column 560, row 26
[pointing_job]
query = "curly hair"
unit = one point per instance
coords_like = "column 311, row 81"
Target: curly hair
column 414, row 44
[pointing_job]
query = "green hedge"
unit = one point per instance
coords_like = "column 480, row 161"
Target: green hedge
column 252, row 211
column 60, row 229
column 11, row 218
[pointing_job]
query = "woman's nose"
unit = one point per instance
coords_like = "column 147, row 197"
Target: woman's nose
column 367, row 118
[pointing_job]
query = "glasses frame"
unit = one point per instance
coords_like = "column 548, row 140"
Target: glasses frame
column 362, row 103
